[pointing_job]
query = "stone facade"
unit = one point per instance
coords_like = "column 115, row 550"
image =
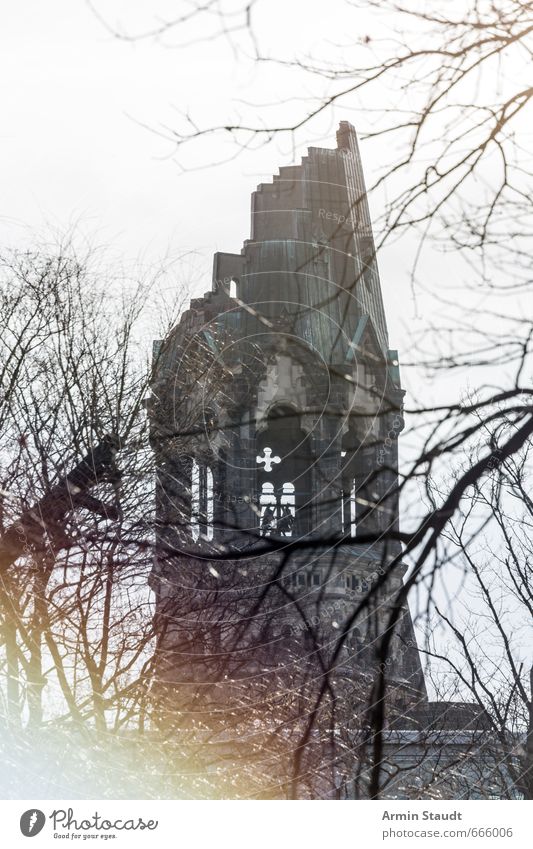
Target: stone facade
column 276, row 409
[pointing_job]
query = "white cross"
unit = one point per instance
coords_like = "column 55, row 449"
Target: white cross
column 268, row 460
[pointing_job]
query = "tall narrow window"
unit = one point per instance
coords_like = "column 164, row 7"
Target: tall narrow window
column 231, row 288
column 195, row 501
column 349, row 511
column 268, row 505
column 287, row 504
column 353, row 512
column 349, row 497
column 202, row 502
column 209, row 502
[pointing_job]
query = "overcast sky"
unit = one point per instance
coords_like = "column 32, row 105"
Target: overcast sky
column 82, row 110
column 73, row 99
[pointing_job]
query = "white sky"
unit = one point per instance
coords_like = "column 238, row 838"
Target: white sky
column 71, row 147
column 73, row 150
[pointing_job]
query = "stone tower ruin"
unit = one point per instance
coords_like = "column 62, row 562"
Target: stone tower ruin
column 275, row 416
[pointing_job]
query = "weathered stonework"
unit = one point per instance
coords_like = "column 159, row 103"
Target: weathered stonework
column 278, row 392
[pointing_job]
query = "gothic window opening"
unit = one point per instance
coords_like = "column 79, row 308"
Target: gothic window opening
column 284, row 474
column 353, row 511
column 202, row 502
column 195, row 501
column 349, row 506
column 231, row 288
column 209, row 503
column 287, row 506
column 268, row 505
column 349, row 511
column 277, row 509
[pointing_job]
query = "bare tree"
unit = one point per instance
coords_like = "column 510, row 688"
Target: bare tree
column 76, row 495
column 460, row 181
column 487, row 659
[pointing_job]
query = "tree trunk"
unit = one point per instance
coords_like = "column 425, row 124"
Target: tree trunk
column 35, row 679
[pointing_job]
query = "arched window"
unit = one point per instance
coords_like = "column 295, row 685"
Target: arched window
column 209, row 503
column 268, row 505
column 231, row 287
column 284, row 464
column 349, row 506
column 287, row 507
column 195, row 501
column 353, row 512
column 277, row 509
column 202, row 502
column 349, row 512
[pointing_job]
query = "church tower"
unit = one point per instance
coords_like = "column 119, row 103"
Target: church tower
column 275, row 415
